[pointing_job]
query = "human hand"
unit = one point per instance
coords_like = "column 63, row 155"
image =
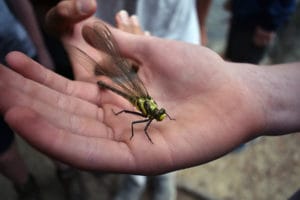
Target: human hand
column 66, row 18
column 65, row 21
column 129, row 24
column 73, row 121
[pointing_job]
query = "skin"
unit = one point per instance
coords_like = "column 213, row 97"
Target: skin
column 202, row 13
column 217, row 106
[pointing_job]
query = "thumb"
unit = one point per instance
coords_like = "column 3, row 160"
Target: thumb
column 66, row 13
column 131, row 45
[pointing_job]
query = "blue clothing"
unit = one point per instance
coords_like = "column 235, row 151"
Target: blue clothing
column 269, row 14
column 13, row 36
column 240, row 46
column 247, row 15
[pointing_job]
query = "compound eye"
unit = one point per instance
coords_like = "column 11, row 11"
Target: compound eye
column 162, row 111
column 161, row 114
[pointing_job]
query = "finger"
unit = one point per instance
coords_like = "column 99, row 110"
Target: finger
column 128, row 24
column 66, row 13
column 136, row 27
column 88, row 124
column 83, row 152
column 123, row 21
column 148, row 51
column 130, row 46
column 34, row 71
column 67, row 112
column 74, row 114
column 62, row 87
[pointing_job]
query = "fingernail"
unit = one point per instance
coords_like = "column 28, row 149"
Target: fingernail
column 85, row 6
column 124, row 16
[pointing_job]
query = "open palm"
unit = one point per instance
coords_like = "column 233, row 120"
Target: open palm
column 73, row 121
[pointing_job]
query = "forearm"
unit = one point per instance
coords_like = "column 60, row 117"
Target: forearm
column 278, row 88
column 25, row 13
column 202, row 11
column 283, row 100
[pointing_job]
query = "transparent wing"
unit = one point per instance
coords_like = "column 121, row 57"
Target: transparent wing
column 113, row 66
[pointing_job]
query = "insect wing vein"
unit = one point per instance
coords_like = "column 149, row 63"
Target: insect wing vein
column 117, row 68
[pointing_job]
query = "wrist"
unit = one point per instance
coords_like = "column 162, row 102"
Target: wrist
column 278, row 87
column 253, row 109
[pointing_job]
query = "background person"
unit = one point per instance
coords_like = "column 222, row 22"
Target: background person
column 253, row 27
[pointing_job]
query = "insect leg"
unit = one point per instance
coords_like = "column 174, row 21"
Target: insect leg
column 145, row 129
column 137, row 122
column 129, row 112
column 169, row 117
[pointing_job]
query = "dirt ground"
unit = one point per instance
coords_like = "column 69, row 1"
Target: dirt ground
column 267, row 168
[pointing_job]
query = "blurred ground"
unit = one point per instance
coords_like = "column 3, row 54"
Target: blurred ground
column 267, row 168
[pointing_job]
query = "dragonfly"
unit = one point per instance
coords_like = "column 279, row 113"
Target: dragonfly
column 124, row 79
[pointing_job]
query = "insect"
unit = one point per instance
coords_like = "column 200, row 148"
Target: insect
column 124, row 81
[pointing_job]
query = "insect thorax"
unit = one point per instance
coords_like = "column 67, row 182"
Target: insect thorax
column 149, row 108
